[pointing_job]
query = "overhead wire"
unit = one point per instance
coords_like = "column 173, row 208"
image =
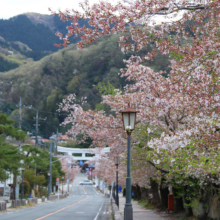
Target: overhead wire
column 27, row 122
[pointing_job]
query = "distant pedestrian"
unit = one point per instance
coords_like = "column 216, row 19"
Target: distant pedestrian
column 119, row 189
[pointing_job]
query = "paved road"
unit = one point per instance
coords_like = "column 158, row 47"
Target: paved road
column 84, row 203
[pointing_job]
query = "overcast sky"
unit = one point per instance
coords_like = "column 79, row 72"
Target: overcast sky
column 10, row 8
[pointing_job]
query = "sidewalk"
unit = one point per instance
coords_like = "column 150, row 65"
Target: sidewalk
column 139, row 212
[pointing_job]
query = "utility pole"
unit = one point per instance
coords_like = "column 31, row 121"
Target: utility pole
column 36, row 133
column 20, row 106
column 49, row 176
column 56, row 141
column 19, row 143
column 50, row 165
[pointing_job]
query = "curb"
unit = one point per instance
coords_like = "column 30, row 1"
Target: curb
column 116, row 214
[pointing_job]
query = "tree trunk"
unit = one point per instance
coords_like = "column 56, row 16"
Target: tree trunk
column 178, row 201
column 138, row 192
column 133, row 192
column 144, row 193
column 154, row 189
column 188, row 209
column 14, row 185
column 124, row 192
column 164, row 192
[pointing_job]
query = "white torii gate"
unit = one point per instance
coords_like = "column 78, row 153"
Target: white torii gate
column 82, row 153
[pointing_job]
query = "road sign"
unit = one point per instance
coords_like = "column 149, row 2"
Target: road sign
column 6, row 194
column 67, row 181
column 57, row 179
column 57, row 183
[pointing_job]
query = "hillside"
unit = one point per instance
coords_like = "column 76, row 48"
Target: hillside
column 35, row 30
column 44, row 83
column 38, row 37
column 12, row 54
column 29, row 36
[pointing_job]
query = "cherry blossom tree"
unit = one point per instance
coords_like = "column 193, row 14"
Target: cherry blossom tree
column 66, row 162
column 183, row 108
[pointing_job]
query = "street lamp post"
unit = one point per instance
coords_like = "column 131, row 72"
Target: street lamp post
column 129, row 120
column 116, row 164
column 22, row 184
column 90, row 174
column 67, row 177
column 48, row 190
column 62, row 184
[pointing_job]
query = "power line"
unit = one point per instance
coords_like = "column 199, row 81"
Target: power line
column 34, row 109
column 25, row 122
column 22, row 107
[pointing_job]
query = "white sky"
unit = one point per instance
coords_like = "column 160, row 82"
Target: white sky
column 10, row 8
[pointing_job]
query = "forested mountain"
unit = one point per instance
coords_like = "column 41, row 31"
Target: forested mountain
column 35, row 30
column 44, row 83
column 12, row 54
column 37, row 36
column 29, row 36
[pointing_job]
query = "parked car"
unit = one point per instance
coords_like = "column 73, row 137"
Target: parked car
column 86, row 182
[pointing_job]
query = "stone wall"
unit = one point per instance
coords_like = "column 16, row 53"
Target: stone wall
column 214, row 210
column 55, row 197
column 115, row 210
column 2, row 206
column 18, row 202
column 201, row 209
column 32, row 200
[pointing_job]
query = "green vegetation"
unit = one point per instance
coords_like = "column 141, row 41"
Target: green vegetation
column 37, row 161
column 77, row 143
column 87, row 73
column 34, row 160
column 9, row 154
column 146, row 204
column 38, row 37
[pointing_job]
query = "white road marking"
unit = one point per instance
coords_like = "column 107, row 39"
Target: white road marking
column 98, row 212
column 95, row 191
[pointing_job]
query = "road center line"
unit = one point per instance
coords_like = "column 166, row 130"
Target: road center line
column 84, row 190
column 62, row 209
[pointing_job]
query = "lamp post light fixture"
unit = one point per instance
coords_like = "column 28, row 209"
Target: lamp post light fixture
column 116, row 164
column 22, row 184
column 62, row 184
column 129, row 120
column 48, row 190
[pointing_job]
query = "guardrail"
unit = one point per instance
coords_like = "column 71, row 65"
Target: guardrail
column 115, row 210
